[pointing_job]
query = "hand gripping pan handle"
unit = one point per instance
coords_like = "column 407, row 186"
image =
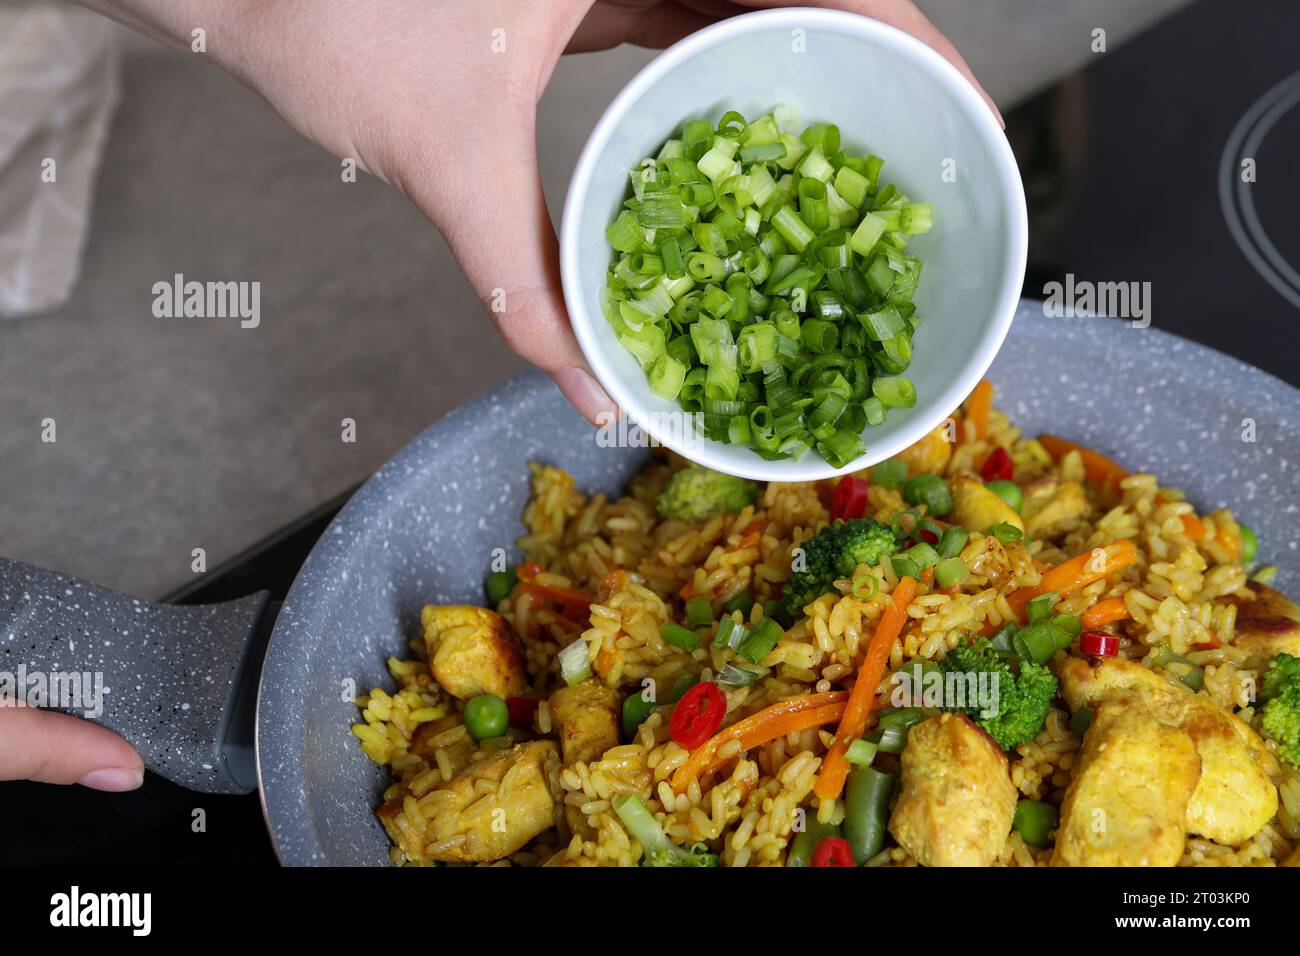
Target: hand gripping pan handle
column 178, row 682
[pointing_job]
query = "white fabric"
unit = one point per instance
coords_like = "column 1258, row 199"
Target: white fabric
column 58, row 92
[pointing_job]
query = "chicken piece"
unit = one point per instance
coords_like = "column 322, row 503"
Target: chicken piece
column 449, row 735
column 472, row 652
column 486, row 812
column 957, row 801
column 587, row 716
column 1127, row 803
column 978, row 509
column 1235, row 797
column 1267, row 626
column 1051, row 506
column 930, row 455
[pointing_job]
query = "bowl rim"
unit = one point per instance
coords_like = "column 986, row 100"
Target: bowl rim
column 811, row 466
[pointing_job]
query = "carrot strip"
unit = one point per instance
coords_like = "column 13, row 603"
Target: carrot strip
column 978, row 405
column 1099, row 469
column 783, row 717
column 574, row 604
column 1105, row 612
column 1193, row 527
column 1076, row 573
column 529, row 570
column 857, row 712
column 604, row 661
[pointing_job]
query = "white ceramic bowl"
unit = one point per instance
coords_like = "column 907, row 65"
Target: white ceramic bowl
column 888, row 93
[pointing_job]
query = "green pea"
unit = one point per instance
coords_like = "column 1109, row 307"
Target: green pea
column 1035, row 821
column 1008, row 491
column 498, row 586
column 486, row 716
column 931, row 491
column 1249, row 544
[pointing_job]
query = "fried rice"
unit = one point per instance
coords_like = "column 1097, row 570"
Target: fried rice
column 1182, row 595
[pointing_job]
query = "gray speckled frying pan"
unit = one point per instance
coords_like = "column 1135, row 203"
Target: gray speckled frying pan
column 182, row 681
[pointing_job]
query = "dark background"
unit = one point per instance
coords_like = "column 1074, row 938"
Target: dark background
column 1120, row 164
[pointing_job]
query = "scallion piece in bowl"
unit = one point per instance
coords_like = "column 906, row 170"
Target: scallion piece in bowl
column 761, row 279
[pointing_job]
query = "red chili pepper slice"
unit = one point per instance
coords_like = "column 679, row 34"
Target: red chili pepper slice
column 850, row 500
column 697, row 715
column 998, row 466
column 833, row 851
column 929, row 537
column 522, row 710
column 1099, row 644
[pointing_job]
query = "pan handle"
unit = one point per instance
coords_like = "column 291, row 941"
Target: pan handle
column 178, row 682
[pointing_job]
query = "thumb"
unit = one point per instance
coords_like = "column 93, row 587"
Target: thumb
column 503, row 238
column 49, row 747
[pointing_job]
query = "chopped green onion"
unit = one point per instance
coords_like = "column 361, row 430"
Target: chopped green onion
column 1040, row 608
column 931, row 491
column 906, row 567
column 923, row 554
column 762, row 153
column 894, row 392
column 792, row 228
column 733, row 676
column 952, row 542
column 852, row 185
column 729, row 634
column 951, row 572
column 751, row 247
column 761, row 639
column 900, row 717
column 575, row 666
column 861, row 753
column 1005, row 532
column 678, row 636
column 699, row 612
column 891, row 739
column 742, row 602
column 1068, row 627
column 1035, row 642
column 667, row 375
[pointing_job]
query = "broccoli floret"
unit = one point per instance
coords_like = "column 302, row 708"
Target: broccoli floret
column 658, row 849
column 1281, row 715
column 696, row 493
column 1024, row 692
column 832, row 553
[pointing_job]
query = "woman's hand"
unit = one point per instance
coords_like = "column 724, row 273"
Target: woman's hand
column 47, row 747
column 439, row 98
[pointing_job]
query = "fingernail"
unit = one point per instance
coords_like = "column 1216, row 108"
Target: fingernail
column 113, row 779
column 586, row 394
